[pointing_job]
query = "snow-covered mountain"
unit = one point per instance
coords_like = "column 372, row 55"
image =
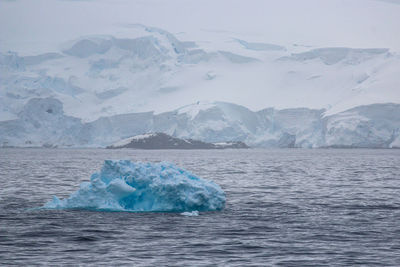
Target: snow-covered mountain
column 43, row 123
column 89, row 73
column 97, row 76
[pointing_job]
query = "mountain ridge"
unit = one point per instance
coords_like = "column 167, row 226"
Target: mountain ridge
column 165, row 141
column 104, row 75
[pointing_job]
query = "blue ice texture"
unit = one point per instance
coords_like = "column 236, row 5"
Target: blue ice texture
column 123, row 185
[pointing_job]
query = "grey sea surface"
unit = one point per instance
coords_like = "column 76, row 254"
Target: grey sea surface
column 288, row 207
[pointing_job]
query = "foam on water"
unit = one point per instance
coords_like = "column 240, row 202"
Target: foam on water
column 123, row 185
column 190, row 214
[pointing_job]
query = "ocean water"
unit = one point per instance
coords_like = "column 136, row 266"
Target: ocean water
column 289, row 207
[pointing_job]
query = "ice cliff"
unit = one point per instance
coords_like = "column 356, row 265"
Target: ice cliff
column 42, row 122
column 133, row 186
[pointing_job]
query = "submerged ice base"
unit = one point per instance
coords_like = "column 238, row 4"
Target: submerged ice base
column 123, row 185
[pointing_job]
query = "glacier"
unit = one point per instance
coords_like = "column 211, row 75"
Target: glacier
column 43, row 123
column 151, row 69
column 333, row 55
column 96, row 90
column 123, row 185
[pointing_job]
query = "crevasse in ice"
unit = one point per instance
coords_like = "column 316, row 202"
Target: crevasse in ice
column 123, row 185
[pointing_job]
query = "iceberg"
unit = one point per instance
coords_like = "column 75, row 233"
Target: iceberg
column 123, row 185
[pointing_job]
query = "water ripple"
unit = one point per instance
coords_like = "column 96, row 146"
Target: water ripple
column 284, row 208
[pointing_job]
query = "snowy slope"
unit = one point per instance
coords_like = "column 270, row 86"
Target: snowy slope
column 97, row 76
column 102, row 75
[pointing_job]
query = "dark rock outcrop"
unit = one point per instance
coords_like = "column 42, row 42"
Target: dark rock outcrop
column 165, row 141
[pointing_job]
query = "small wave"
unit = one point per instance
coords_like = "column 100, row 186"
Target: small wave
column 192, row 213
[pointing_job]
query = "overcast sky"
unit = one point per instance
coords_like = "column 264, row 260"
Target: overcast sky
column 32, row 26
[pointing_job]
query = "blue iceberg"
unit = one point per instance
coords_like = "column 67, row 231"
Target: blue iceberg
column 123, row 185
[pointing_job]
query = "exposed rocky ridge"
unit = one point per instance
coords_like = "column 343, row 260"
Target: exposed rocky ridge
column 165, row 141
